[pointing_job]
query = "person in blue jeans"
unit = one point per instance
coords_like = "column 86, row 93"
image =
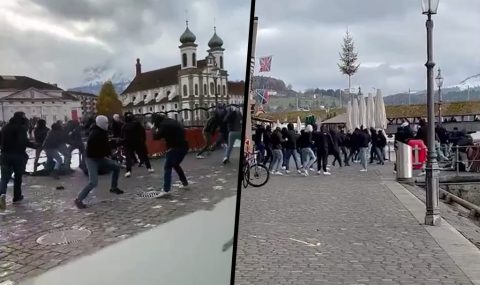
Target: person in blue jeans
column 53, row 144
column 98, row 149
column 174, row 135
column 233, row 119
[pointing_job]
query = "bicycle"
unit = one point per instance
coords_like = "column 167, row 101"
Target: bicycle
column 252, row 171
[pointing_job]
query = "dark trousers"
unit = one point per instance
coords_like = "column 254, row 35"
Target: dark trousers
column 269, row 155
column 141, row 150
column 173, row 159
column 261, row 151
column 353, row 154
column 12, row 164
column 208, row 142
column 336, row 155
column 343, row 149
column 322, row 160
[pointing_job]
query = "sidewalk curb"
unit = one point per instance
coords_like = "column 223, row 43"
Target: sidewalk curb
column 465, row 255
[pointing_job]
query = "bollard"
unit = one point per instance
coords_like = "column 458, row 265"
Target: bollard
column 404, row 163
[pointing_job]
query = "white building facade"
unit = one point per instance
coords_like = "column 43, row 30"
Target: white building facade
column 37, row 99
column 190, row 85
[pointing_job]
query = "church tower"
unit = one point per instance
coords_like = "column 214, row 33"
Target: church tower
column 215, row 44
column 188, row 49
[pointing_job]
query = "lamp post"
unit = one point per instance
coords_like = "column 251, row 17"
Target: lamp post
column 432, row 216
column 439, row 80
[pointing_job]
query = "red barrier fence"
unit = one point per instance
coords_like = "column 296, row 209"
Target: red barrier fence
column 194, row 137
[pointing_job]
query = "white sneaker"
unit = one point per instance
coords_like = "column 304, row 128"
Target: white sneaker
column 363, row 170
column 272, row 172
column 200, row 157
column 305, row 172
column 328, row 169
column 184, row 187
column 287, row 171
column 3, row 202
column 300, row 171
column 278, row 173
column 319, row 172
column 161, row 194
column 327, row 173
column 284, row 167
column 311, row 169
column 128, row 174
column 151, row 170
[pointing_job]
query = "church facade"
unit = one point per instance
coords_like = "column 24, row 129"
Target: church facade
column 192, row 84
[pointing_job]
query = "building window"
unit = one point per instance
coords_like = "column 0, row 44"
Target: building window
column 185, row 115
column 224, row 90
column 176, row 106
column 194, row 59
column 196, row 112
column 176, row 116
column 163, row 107
column 134, row 98
column 184, row 60
column 168, row 93
column 151, row 109
column 33, row 102
column 139, row 111
column 54, row 118
column 185, row 90
column 212, row 86
column 218, row 89
column 156, row 95
column 196, row 89
column 144, row 97
column 221, row 62
column 205, row 89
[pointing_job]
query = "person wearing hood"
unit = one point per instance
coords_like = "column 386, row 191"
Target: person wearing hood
column 290, row 138
column 53, row 145
column 40, row 133
column 134, row 139
column 234, row 124
column 211, row 126
column 259, row 141
column 323, row 142
column 97, row 153
column 277, row 160
column 343, row 145
column 334, row 147
column 305, row 143
column 117, row 126
column 74, row 140
column 363, row 142
column 177, row 148
column 268, row 145
column 13, row 158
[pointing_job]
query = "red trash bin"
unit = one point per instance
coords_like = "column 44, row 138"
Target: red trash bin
column 419, row 153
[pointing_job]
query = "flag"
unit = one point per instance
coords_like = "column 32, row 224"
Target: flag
column 265, row 63
column 262, row 96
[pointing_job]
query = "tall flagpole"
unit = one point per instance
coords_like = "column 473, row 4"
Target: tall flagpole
column 250, row 102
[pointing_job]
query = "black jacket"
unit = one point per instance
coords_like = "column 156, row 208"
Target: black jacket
column 363, row 139
column 97, row 143
column 374, row 137
column 74, row 133
column 54, row 139
column 323, row 141
column 305, row 140
column 259, row 135
column 277, row 140
column 233, row 120
column 173, row 133
column 40, row 134
column 291, row 139
column 403, row 134
column 211, row 125
column 381, row 140
column 442, row 135
column 14, row 139
column 422, row 134
column 133, row 134
column 117, row 129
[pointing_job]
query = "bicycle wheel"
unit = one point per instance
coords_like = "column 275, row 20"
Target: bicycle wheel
column 258, row 175
column 246, row 176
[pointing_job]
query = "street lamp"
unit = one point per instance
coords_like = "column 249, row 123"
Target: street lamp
column 439, row 80
column 432, row 216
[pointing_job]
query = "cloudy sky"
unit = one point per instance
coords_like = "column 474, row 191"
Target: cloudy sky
column 304, row 37
column 69, row 42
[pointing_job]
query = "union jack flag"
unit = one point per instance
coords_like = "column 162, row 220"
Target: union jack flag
column 262, row 96
column 265, row 63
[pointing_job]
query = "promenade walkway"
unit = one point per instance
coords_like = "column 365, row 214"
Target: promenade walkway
column 348, row 228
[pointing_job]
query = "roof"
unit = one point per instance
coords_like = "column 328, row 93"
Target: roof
column 158, row 78
column 69, row 96
column 23, row 82
column 236, row 87
column 340, row 119
column 78, row 93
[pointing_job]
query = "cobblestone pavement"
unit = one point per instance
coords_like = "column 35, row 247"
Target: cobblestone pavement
column 347, row 228
column 110, row 218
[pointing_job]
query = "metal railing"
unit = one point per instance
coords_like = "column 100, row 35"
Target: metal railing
column 466, row 155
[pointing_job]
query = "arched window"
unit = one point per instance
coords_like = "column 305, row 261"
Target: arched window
column 212, row 87
column 196, row 89
column 224, row 90
column 163, row 107
column 194, row 59
column 185, row 90
column 184, row 60
column 205, row 89
column 221, row 62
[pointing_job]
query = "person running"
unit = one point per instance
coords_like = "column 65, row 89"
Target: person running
column 290, row 138
column 208, row 132
column 98, row 149
column 40, row 133
column 74, row 140
column 53, row 145
column 354, row 146
column 174, row 134
column 323, row 141
column 305, row 144
column 234, row 124
column 277, row 160
column 134, row 140
column 13, row 158
column 334, row 147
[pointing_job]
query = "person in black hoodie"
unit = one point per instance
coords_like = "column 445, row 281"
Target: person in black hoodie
column 363, row 142
column 373, row 149
column 354, row 145
column 268, row 145
column 305, row 143
column 233, row 119
column 40, row 133
column 98, row 149
column 134, row 139
column 53, row 145
column 174, row 134
column 208, row 132
column 13, row 158
column 422, row 133
column 290, row 138
column 323, row 141
column 381, row 143
column 74, row 139
column 277, row 160
column 343, row 145
column 442, row 134
column 260, row 141
column 334, row 148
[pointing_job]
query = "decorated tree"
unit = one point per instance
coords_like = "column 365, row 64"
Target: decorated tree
column 108, row 103
column 348, row 60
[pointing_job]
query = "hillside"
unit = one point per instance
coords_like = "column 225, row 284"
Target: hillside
column 94, row 88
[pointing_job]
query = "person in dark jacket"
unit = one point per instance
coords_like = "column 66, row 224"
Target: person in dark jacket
column 290, row 137
column 363, row 142
column 305, row 143
column 443, row 138
column 97, row 153
column 422, row 133
column 277, row 160
column 40, row 133
column 381, row 143
column 134, row 140
column 260, row 141
column 74, row 139
column 373, row 149
column 222, row 139
column 268, row 145
column 354, row 146
column 343, row 145
column 13, row 158
column 117, row 126
column 233, row 119
column 334, row 148
column 53, row 145
column 323, row 141
column 174, row 135
column 209, row 130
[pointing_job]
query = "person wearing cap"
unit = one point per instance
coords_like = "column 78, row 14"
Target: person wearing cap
column 98, row 149
column 13, row 159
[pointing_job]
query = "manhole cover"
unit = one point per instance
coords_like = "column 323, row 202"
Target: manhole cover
column 149, row 194
column 64, row 237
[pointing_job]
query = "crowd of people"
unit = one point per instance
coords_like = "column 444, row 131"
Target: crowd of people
column 313, row 144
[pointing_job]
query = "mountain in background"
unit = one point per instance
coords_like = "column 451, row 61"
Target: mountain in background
column 95, row 76
column 94, row 88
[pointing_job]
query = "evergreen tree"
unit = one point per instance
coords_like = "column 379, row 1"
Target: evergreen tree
column 108, row 103
column 348, row 59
